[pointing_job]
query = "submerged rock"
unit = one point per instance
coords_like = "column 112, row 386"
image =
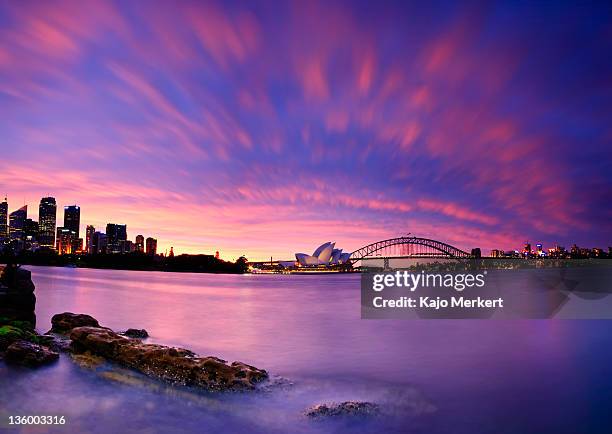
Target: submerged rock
column 63, row 323
column 347, row 408
column 29, row 354
column 173, row 365
column 136, row 333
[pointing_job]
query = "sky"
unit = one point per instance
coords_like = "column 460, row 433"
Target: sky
column 267, row 128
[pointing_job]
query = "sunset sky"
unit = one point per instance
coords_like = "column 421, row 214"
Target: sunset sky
column 267, row 128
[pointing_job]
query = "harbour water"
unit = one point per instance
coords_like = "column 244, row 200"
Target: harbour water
column 436, row 376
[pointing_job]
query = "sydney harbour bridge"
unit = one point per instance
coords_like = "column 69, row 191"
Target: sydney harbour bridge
column 393, row 248
column 408, row 247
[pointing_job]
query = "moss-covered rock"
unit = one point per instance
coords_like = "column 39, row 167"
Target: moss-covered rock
column 10, row 334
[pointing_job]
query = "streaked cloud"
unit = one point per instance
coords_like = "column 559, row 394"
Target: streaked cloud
column 263, row 129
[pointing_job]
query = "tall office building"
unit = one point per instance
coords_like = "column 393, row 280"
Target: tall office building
column 17, row 221
column 98, row 243
column 3, row 220
column 30, row 229
column 72, row 218
column 47, row 212
column 139, row 243
column 64, row 242
column 114, row 235
column 89, row 233
column 151, row 246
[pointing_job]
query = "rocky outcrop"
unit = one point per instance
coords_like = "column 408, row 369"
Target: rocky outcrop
column 9, row 334
column 17, row 299
column 29, row 354
column 173, row 365
column 136, row 333
column 347, row 408
column 63, row 323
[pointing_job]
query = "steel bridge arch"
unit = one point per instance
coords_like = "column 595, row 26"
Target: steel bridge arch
column 445, row 249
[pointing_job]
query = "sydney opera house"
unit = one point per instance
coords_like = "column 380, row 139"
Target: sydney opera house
column 324, row 255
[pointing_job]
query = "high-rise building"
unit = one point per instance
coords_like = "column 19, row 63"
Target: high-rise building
column 30, row 229
column 89, row 233
column 151, row 244
column 139, row 245
column 98, row 243
column 47, row 213
column 114, row 235
column 64, row 241
column 17, row 221
column 72, row 218
column 3, row 220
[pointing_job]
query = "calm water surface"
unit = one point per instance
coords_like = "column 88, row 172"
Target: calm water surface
column 430, row 376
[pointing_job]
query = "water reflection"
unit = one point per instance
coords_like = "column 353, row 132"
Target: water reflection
column 477, row 375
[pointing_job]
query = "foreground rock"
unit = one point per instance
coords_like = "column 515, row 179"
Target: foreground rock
column 136, row 333
column 173, row 365
column 347, row 408
column 17, row 299
column 29, row 354
column 63, row 323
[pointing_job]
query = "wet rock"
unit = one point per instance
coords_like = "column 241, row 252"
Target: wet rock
column 173, row 365
column 136, row 333
column 56, row 342
column 63, row 323
column 347, row 408
column 29, row 354
column 87, row 360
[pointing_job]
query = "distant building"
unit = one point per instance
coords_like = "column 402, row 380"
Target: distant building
column 72, row 218
column 126, row 246
column 17, row 221
column 114, row 235
column 527, row 249
column 326, row 254
column 171, row 255
column 4, row 220
column 139, row 246
column 98, row 243
column 151, row 245
column 47, row 211
column 64, row 241
column 89, row 233
column 30, row 230
column 495, row 253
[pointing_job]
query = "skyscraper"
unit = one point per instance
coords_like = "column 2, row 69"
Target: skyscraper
column 151, row 246
column 72, row 218
column 89, row 233
column 114, row 235
column 30, row 232
column 17, row 221
column 98, row 243
column 3, row 220
column 47, row 212
column 139, row 243
column 30, row 229
column 72, row 221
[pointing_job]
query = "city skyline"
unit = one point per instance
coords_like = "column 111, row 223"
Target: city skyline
column 484, row 126
column 110, row 241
